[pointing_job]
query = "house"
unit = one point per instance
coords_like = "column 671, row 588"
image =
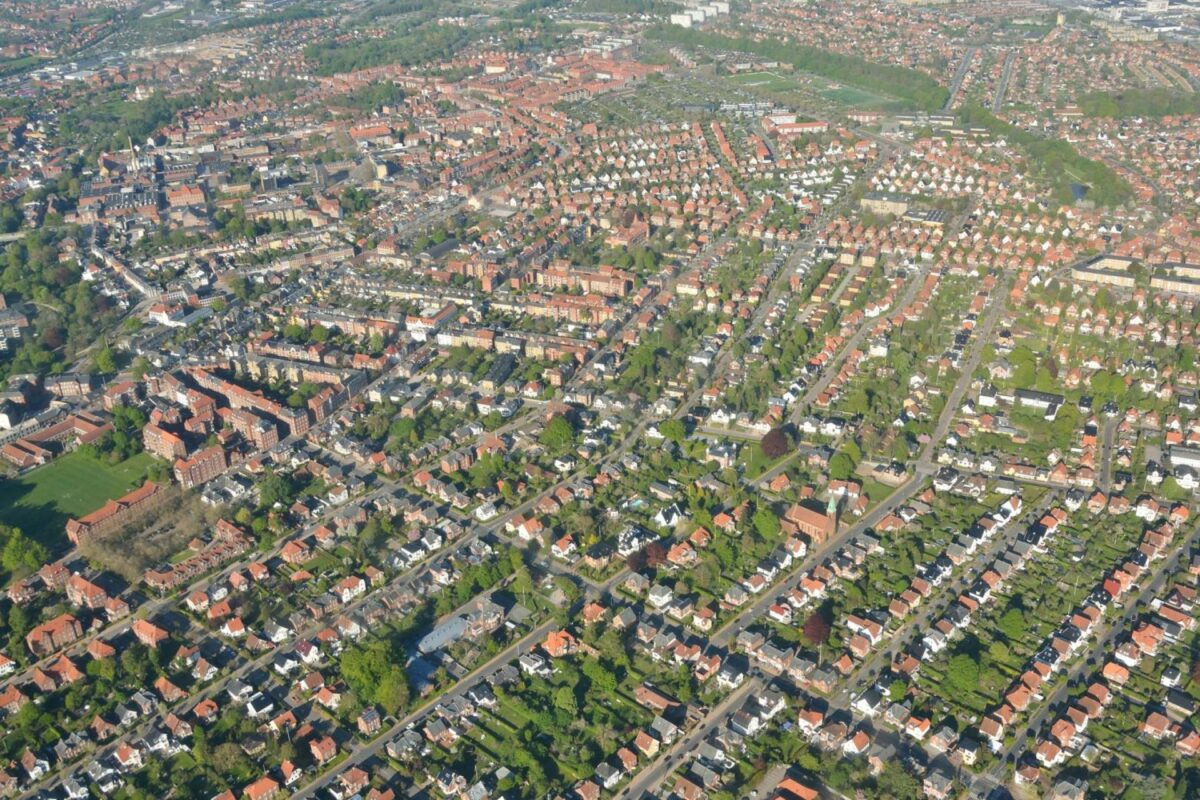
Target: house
column 608, row 775
column 650, row 697
column 938, row 785
column 564, row 548
column 646, row 744
column 148, row 633
column 560, row 643
column 62, row 631
column 323, row 749
column 265, row 788
column 369, row 722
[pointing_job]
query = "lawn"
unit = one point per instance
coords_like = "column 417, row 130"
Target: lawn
column 40, row 502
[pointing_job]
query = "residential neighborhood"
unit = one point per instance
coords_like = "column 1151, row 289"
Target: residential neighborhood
column 599, row 399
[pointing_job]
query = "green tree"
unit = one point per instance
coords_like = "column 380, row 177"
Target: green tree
column 564, row 700
column 1012, row 624
column 558, row 434
column 841, row 467
column 599, row 677
column 105, row 362
column 766, row 523
column 375, row 673
column 20, row 552
column 673, row 430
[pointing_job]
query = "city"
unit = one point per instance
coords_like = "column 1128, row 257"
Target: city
column 599, row 399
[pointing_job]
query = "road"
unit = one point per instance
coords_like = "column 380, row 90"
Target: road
column 831, row 369
column 1106, row 453
column 979, row 338
column 724, row 635
column 671, row 757
column 933, row 609
column 1002, row 85
column 959, row 75
column 904, row 491
column 362, row 752
column 632, row 437
column 1097, row 650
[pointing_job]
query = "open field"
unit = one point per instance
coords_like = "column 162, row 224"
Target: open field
column 800, row 87
column 768, row 81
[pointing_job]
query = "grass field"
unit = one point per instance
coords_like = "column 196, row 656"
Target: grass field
column 810, row 87
column 40, row 502
column 852, row 97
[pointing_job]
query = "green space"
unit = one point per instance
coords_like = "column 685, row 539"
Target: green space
column 768, row 81
column 40, row 502
column 1152, row 103
column 1055, row 161
column 800, row 88
column 915, row 87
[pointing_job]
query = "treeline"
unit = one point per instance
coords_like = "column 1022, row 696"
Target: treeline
column 1152, row 103
column 416, row 45
column 628, row 6
column 906, row 84
column 1054, row 160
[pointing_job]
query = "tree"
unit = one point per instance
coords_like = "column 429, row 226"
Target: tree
column 272, row 489
column 962, row 675
column 766, row 523
column 817, row 627
column 392, row 693
column 656, row 555
column 106, row 361
column 564, row 700
column 1012, row 624
column 673, row 430
column 240, row 287
column 374, row 673
column 894, row 781
column 22, row 552
column 775, row 444
column 227, row 759
column 841, row 467
column 558, row 434
column 600, row 678
column 18, row 620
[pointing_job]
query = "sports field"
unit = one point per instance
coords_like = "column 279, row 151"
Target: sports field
column 40, row 502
